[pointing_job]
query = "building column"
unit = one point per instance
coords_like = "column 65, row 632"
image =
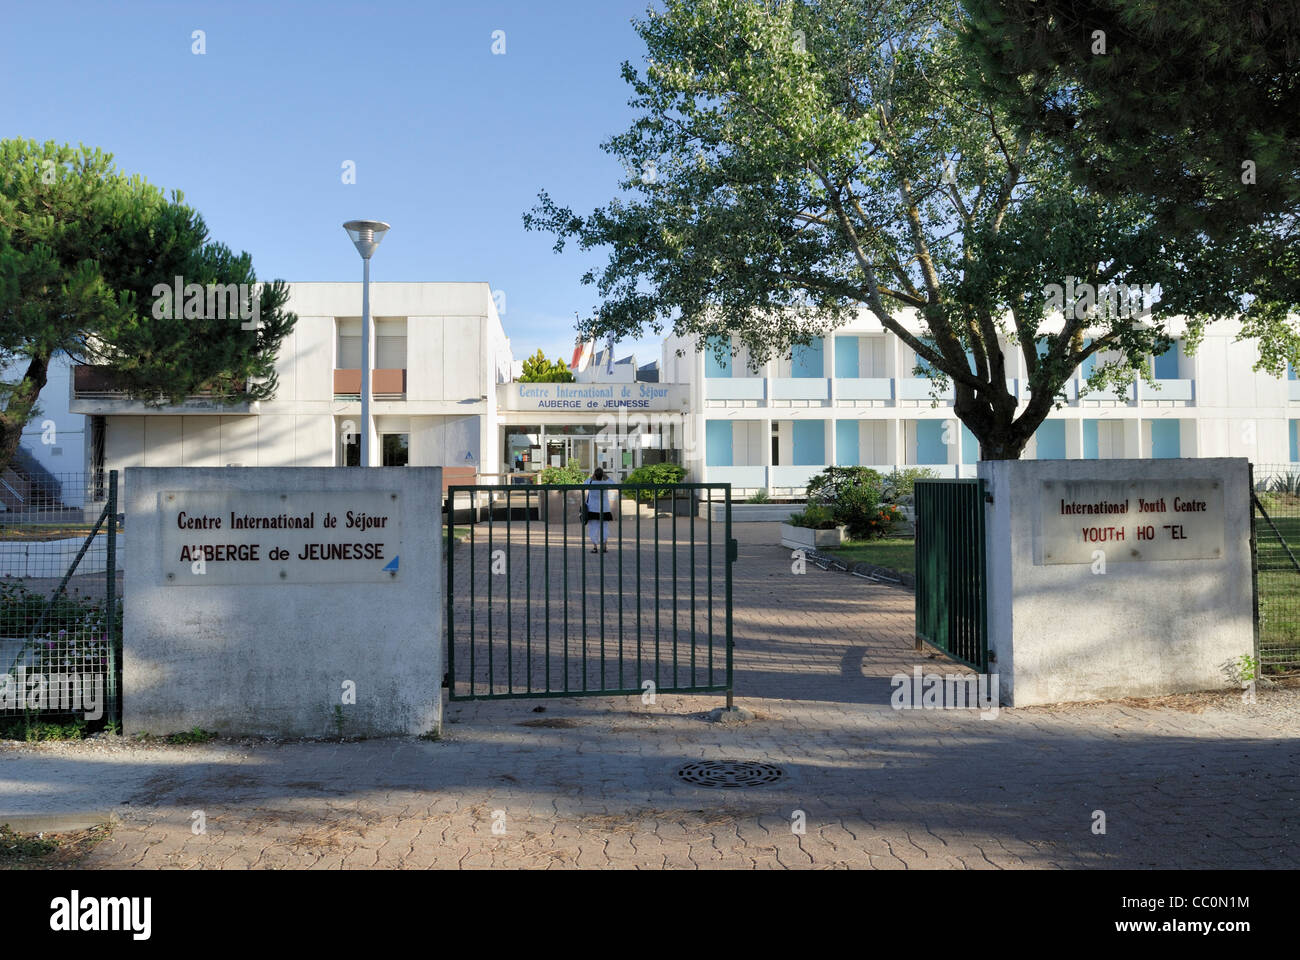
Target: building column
column 1133, row 438
column 894, row 441
column 1074, row 438
column 828, row 435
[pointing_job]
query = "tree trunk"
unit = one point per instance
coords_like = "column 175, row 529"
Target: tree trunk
column 22, row 402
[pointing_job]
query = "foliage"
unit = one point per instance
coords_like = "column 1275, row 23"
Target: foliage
column 900, row 485
column 815, row 516
column 71, row 633
column 1191, row 106
column 82, row 248
column 758, row 496
column 656, row 473
column 856, row 496
column 194, row 735
column 830, row 484
column 793, row 165
column 34, row 730
column 569, row 473
column 537, row 369
column 1286, row 483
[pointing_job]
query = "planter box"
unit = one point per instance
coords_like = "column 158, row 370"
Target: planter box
column 749, row 512
column 806, row 538
column 552, row 506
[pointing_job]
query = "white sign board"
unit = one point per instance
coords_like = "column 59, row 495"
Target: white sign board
column 572, row 397
column 1130, row 521
column 226, row 537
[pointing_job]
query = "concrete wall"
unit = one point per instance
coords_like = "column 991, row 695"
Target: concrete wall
column 1062, row 632
column 270, row 658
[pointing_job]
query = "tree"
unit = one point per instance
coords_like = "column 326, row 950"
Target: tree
column 1191, row 105
column 796, row 163
column 537, row 369
column 85, row 255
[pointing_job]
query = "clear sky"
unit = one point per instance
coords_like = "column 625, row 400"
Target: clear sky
column 450, row 141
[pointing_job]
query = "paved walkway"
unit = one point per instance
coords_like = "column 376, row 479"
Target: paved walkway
column 1208, row 781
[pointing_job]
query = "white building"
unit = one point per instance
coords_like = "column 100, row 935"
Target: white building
column 444, row 395
column 439, row 353
column 853, row 399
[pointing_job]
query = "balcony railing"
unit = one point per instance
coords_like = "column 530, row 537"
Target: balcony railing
column 90, row 382
column 384, row 384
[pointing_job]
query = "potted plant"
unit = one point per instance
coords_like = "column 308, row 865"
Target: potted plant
column 662, row 498
column 553, row 503
column 813, row 527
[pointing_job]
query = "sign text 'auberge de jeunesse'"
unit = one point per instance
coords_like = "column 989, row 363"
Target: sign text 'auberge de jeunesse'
column 211, row 537
column 1129, row 521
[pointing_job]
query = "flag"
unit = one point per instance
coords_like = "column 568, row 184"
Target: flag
column 582, row 355
column 609, row 356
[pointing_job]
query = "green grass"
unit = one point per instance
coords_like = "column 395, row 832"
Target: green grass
column 47, row 531
column 34, row 730
column 1279, row 584
column 892, row 553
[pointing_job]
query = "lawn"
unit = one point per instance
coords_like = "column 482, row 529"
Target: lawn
column 892, row 553
column 1279, row 583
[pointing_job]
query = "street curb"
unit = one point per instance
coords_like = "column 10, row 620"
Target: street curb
column 56, row 822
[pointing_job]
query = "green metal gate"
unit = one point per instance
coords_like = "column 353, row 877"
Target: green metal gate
column 532, row 611
column 951, row 578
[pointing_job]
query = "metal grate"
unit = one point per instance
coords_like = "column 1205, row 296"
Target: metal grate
column 729, row 773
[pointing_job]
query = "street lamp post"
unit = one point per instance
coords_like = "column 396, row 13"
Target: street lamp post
column 365, row 235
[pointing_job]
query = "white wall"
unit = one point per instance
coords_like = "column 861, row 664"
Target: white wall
column 1062, row 632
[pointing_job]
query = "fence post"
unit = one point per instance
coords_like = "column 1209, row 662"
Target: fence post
column 110, row 597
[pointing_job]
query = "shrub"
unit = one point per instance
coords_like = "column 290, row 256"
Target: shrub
column 570, row 473
column 656, row 473
column 814, row 517
column 855, row 496
column 900, row 485
column 758, row 497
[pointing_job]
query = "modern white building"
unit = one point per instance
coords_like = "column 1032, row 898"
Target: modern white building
column 854, row 399
column 439, row 352
column 444, row 395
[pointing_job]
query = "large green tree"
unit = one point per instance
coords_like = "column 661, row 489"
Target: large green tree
column 537, row 369
column 796, row 163
column 1191, row 105
column 85, row 250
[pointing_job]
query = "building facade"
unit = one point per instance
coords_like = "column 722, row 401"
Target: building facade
column 856, row 398
column 439, row 352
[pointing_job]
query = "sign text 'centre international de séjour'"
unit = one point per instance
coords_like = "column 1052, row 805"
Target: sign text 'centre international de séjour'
column 230, row 537
column 1131, row 521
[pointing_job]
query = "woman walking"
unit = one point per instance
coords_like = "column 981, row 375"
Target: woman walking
column 598, row 511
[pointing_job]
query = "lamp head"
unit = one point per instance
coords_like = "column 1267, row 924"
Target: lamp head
column 366, row 235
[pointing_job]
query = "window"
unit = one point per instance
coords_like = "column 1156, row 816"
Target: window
column 348, row 355
column 397, row 449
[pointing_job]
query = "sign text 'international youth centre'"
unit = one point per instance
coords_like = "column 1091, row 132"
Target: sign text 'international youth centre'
column 265, row 538
column 1146, row 520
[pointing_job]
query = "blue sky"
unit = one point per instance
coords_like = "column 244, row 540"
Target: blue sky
column 451, row 142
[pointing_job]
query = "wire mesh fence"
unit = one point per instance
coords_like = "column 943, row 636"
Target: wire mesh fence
column 1277, row 550
column 60, row 602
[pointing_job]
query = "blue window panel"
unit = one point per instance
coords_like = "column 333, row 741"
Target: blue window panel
column 1041, row 347
column 1051, row 440
column 923, row 363
column 809, row 446
column 846, row 357
column 930, row 447
column 1295, row 441
column 1091, row 447
column 808, row 362
column 1164, row 439
column 712, row 368
column 970, row 360
column 970, row 447
column 847, row 452
column 1166, row 365
column 1086, row 368
column 1290, row 371
column 717, row 443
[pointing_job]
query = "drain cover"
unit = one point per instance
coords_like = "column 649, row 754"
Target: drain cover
column 729, row 773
